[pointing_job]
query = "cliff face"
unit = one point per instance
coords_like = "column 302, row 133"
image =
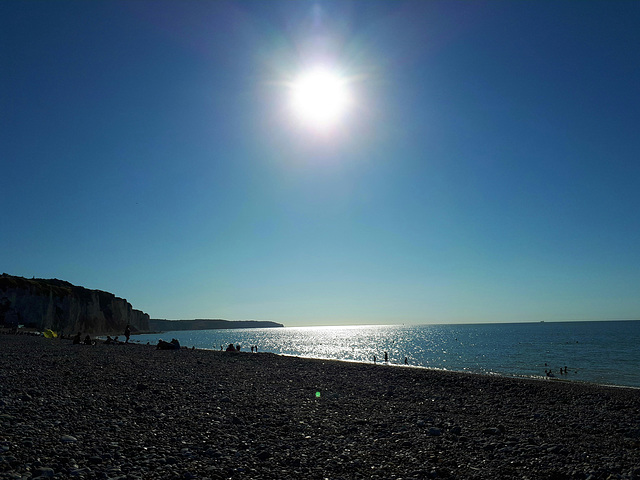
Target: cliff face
column 66, row 308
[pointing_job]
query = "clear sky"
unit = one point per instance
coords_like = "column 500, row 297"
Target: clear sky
column 485, row 167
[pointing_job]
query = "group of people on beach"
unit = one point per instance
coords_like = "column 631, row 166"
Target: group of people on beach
column 237, row 348
column 386, row 359
column 114, row 341
column 77, row 339
column 15, row 330
column 174, row 344
column 549, row 373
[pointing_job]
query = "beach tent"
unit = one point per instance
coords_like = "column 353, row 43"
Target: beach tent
column 49, row 333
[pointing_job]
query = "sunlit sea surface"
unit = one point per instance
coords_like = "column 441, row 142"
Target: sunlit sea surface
column 598, row 352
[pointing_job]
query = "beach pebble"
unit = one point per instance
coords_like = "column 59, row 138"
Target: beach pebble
column 44, row 472
column 236, row 421
column 263, row 455
column 4, row 417
column 216, row 416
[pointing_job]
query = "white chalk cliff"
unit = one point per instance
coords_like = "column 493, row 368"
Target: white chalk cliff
column 65, row 308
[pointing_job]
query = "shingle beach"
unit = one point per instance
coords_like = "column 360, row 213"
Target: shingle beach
column 134, row 412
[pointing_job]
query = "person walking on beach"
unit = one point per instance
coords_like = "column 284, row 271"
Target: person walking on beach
column 127, row 333
column 386, row 357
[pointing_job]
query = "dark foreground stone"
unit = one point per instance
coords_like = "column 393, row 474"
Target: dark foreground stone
column 133, row 412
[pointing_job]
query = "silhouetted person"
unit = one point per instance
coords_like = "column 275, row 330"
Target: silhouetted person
column 386, row 357
column 87, row 340
column 76, row 339
column 406, row 361
column 231, row 348
column 374, row 359
column 127, row 333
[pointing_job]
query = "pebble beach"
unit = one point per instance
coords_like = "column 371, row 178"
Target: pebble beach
column 134, row 412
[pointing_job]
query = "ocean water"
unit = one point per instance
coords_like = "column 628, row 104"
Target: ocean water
column 596, row 352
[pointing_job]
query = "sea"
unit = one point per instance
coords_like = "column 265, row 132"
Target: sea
column 602, row 352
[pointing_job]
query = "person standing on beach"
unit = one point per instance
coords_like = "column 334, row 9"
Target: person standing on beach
column 127, row 333
column 386, row 357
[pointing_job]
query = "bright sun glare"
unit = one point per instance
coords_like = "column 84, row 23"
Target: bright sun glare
column 320, row 97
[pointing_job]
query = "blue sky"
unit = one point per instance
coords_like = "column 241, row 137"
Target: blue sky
column 486, row 171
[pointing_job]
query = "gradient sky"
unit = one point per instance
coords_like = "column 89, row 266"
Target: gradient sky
column 487, row 171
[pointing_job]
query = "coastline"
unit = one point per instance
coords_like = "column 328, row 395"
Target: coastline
column 538, row 378
column 131, row 411
column 604, row 353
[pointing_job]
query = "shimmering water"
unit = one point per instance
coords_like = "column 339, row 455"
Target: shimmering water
column 599, row 352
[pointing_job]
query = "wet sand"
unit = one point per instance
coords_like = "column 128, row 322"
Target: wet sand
column 131, row 411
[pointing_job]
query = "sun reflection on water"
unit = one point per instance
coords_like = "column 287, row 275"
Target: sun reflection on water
column 604, row 352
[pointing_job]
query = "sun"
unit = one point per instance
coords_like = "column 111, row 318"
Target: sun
column 320, row 97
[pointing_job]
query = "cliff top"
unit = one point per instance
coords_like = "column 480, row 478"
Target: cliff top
column 44, row 286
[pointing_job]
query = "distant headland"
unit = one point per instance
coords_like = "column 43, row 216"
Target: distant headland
column 157, row 325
